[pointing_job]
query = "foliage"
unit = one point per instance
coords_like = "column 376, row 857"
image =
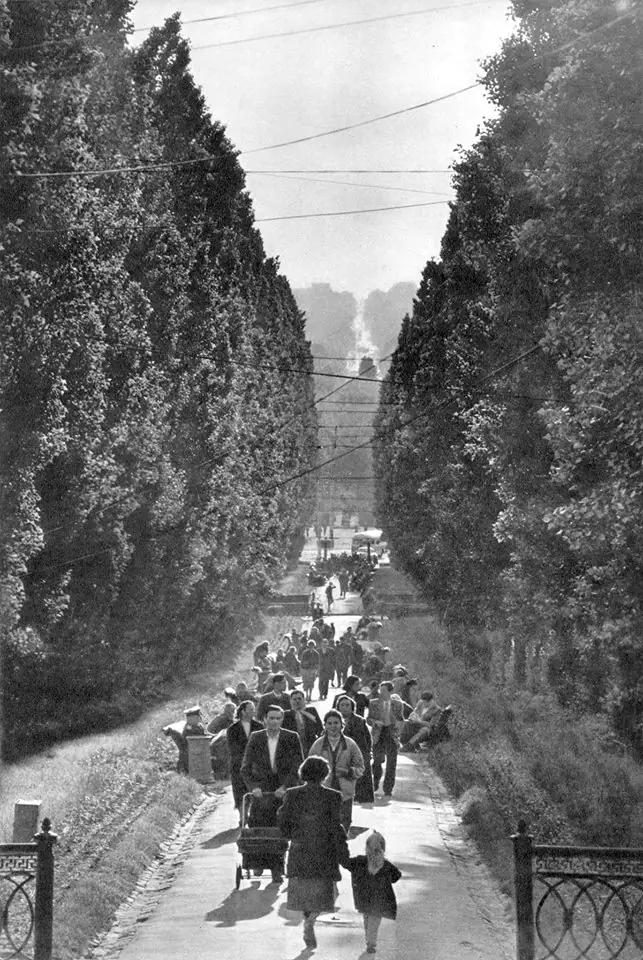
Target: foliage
column 147, row 501
column 509, row 469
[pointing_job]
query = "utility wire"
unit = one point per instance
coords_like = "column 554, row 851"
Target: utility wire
column 402, row 426
column 349, row 213
column 362, row 123
column 240, row 13
column 338, row 26
column 353, row 183
column 303, row 473
column 316, row 136
column 350, row 170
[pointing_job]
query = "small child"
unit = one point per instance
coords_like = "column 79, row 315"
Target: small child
column 373, row 877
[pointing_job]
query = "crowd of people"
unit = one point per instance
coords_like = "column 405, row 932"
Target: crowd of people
column 274, row 738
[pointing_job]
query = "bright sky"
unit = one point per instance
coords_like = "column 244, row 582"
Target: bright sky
column 275, row 89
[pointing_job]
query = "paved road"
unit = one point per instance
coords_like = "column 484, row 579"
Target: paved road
column 448, row 908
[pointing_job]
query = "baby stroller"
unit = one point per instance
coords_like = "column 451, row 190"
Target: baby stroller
column 261, row 846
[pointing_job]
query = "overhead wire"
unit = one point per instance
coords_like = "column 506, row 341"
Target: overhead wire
column 316, row 136
column 347, row 213
column 353, row 183
column 339, row 25
column 408, row 423
column 278, row 484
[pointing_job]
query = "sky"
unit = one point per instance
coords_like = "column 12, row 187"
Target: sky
column 275, row 89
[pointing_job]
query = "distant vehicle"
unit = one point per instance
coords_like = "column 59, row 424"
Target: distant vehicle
column 369, row 540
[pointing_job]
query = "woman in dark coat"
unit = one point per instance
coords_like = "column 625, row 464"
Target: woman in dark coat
column 358, row 730
column 237, row 736
column 310, row 819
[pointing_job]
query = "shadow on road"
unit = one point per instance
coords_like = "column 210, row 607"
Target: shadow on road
column 221, row 839
column 249, row 903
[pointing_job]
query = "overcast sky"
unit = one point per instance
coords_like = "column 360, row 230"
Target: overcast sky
column 278, row 89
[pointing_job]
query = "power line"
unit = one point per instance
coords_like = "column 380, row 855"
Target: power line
column 348, row 213
column 362, row 123
column 337, row 26
column 351, row 170
column 209, row 158
column 105, row 34
column 147, row 167
column 241, row 13
column 353, row 183
column 424, row 413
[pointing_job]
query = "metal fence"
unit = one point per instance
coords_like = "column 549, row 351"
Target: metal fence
column 577, row 903
column 26, row 897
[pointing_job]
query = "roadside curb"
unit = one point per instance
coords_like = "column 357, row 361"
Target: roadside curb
column 494, row 907
column 153, row 882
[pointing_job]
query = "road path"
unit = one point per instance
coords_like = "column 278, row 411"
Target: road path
column 449, row 909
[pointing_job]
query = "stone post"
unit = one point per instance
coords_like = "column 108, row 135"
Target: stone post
column 25, row 820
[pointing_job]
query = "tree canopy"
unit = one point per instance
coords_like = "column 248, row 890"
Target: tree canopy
column 150, row 422
column 510, row 432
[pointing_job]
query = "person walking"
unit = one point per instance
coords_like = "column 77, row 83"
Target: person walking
column 385, row 717
column 330, row 586
column 352, row 688
column 275, row 696
column 344, row 759
column 343, row 655
column 309, row 668
column 310, row 819
column 358, row 730
column 238, row 734
column 305, row 724
column 270, row 765
column 372, row 879
column 326, row 668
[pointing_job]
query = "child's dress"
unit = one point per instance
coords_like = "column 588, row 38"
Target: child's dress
column 373, row 892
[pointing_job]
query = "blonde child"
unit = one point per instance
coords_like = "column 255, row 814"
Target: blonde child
column 373, row 877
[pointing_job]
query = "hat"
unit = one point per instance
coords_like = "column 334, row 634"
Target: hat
column 192, row 710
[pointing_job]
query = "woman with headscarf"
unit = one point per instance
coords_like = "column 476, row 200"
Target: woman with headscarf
column 310, row 819
column 358, row 730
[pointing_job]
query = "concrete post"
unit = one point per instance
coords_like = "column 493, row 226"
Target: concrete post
column 26, row 814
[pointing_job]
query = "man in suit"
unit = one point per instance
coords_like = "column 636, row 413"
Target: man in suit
column 277, row 695
column 385, row 717
column 238, row 734
column 302, row 720
column 270, row 764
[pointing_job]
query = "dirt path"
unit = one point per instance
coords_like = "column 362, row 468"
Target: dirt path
column 449, row 907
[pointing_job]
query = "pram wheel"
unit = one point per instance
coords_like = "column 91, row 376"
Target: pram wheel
column 239, row 874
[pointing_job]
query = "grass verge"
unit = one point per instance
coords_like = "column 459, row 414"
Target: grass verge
column 113, row 798
column 514, row 754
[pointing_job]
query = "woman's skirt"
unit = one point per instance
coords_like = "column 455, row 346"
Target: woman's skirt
column 308, row 676
column 313, row 894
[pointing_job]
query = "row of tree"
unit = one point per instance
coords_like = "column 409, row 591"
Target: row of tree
column 150, row 423
column 510, row 431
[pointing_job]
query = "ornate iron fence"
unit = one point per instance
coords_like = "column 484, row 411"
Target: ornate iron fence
column 577, row 902
column 26, row 897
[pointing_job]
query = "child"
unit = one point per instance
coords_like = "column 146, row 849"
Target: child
column 373, row 877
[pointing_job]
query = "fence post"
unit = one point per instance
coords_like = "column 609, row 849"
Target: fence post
column 44, row 899
column 524, row 888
